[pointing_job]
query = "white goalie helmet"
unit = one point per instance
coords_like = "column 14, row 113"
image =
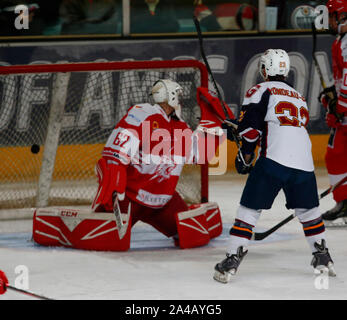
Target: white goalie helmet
column 166, row 90
column 274, row 62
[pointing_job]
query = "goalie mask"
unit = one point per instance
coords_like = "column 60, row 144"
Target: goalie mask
column 274, row 62
column 168, row 91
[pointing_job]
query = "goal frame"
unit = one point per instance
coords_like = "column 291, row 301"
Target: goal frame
column 56, row 112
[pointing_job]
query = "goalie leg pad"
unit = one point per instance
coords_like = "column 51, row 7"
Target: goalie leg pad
column 192, row 228
column 198, row 225
column 79, row 229
column 214, row 222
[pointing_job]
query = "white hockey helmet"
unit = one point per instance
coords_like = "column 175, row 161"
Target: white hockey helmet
column 166, row 90
column 274, row 62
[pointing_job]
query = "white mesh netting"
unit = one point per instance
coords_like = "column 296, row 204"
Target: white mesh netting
column 92, row 102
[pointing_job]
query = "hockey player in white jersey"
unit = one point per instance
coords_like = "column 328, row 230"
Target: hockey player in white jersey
column 274, row 115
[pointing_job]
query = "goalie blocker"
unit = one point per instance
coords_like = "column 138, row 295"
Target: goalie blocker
column 84, row 229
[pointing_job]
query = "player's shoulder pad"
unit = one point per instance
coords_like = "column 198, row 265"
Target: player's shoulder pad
column 139, row 113
column 254, row 94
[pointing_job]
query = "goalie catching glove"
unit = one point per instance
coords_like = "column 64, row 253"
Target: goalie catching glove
column 213, row 115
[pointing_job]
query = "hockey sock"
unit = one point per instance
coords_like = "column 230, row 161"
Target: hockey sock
column 314, row 232
column 313, row 226
column 241, row 233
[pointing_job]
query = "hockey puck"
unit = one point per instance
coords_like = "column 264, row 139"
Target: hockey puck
column 35, row 148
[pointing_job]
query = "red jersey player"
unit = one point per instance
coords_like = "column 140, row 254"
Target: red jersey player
column 138, row 173
column 335, row 101
column 142, row 171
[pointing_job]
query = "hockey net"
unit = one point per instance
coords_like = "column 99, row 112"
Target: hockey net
column 55, row 119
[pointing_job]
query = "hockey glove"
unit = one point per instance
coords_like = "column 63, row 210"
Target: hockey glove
column 328, row 98
column 3, row 282
column 332, row 121
column 230, row 125
column 243, row 167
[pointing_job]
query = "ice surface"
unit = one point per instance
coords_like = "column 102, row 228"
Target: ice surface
column 275, row 268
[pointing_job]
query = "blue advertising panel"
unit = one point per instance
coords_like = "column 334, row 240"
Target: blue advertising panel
column 234, row 62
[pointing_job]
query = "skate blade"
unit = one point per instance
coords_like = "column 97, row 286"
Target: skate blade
column 328, row 270
column 321, row 270
column 223, row 277
column 332, row 272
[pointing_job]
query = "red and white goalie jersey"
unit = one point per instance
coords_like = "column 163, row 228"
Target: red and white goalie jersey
column 143, row 159
column 154, row 147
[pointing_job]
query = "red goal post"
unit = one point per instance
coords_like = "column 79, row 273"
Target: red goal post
column 55, row 119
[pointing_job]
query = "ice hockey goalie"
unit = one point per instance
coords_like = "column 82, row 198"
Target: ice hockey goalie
column 138, row 172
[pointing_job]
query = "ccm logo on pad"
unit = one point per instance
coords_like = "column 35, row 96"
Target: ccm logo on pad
column 67, row 213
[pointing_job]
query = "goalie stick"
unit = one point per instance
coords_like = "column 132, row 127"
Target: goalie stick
column 236, row 137
column 122, row 227
column 262, row 235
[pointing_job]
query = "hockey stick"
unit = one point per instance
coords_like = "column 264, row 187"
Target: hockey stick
column 236, row 137
column 262, row 235
column 122, row 227
column 28, row 293
column 332, row 188
column 319, row 70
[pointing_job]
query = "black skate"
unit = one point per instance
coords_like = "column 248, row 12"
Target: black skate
column 322, row 261
column 339, row 211
column 228, row 266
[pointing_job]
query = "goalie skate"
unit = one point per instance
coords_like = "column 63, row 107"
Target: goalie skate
column 228, row 267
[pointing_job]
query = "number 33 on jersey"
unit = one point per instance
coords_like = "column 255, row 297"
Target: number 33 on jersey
column 271, row 109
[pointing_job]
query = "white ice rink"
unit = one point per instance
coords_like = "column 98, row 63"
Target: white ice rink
column 275, row 268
